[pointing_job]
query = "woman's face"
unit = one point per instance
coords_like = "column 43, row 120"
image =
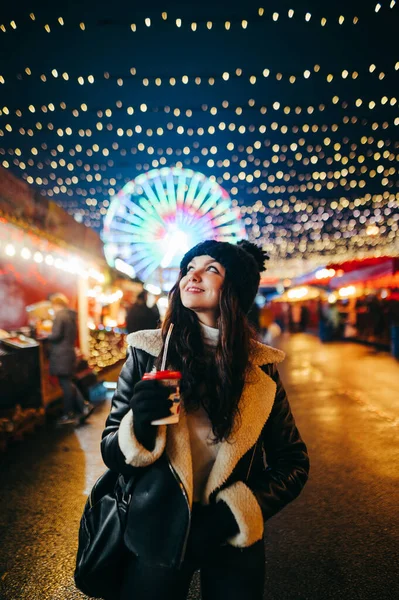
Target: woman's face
column 200, row 288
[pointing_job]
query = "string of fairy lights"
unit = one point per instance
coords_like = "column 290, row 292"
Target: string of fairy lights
column 298, row 150
column 228, row 24
column 298, row 156
column 249, row 175
column 222, row 126
column 309, row 154
column 315, row 72
column 249, row 106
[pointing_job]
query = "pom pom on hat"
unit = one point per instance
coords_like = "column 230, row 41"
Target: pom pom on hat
column 259, row 255
column 243, row 262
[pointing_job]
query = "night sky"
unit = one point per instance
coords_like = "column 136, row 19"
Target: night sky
column 295, row 115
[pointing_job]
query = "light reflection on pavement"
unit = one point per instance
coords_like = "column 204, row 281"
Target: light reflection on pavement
column 338, row 540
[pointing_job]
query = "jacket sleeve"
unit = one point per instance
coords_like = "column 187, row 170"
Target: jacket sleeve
column 120, row 449
column 57, row 333
column 286, row 455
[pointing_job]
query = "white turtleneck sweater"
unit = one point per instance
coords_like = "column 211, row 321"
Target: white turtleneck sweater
column 203, row 450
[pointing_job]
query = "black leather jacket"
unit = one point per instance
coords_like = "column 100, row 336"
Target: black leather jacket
column 159, row 514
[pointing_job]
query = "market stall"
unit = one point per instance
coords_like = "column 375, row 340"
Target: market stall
column 362, row 300
column 42, row 251
column 297, row 308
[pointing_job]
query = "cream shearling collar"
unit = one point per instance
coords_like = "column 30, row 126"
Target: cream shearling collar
column 150, row 340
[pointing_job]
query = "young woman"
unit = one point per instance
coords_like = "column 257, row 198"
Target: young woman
column 203, row 489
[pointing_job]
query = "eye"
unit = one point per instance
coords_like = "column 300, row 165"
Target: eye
column 214, row 269
column 189, row 268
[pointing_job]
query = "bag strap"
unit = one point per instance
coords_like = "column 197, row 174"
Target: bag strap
column 127, row 491
column 104, row 485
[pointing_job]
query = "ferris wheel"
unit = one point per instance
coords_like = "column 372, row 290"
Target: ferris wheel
column 154, row 219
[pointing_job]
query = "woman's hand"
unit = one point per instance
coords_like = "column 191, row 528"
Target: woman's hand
column 149, row 403
column 211, row 526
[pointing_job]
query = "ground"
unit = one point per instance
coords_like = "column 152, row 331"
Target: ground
column 338, row 540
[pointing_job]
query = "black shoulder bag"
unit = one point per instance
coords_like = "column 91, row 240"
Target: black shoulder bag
column 102, row 554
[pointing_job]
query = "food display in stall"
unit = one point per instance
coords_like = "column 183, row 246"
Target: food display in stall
column 20, row 341
column 107, row 347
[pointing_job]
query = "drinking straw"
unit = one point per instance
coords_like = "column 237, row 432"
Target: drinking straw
column 165, row 349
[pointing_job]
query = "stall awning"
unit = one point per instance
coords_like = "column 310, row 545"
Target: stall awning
column 269, row 282
column 350, row 272
column 300, row 294
column 384, row 271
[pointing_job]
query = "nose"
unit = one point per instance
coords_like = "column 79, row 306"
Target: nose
column 194, row 275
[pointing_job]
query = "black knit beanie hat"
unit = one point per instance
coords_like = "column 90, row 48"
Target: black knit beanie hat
column 244, row 262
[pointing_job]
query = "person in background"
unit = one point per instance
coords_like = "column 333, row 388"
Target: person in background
column 62, row 361
column 253, row 317
column 334, row 321
column 304, row 322
column 203, row 487
column 140, row 316
column 155, row 309
column 265, row 318
column 375, row 317
column 272, row 334
column 296, row 317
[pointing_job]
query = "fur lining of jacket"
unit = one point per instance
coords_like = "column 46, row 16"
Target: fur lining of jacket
column 255, row 406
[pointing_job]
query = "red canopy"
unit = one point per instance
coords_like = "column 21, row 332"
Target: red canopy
column 383, row 269
column 352, row 271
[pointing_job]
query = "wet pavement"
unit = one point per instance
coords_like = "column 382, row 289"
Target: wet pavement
column 338, row 540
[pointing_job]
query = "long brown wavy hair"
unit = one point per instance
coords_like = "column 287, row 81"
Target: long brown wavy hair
column 224, row 374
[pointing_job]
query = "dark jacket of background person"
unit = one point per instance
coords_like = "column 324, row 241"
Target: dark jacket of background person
column 62, row 343
column 254, row 315
column 140, row 316
column 159, row 518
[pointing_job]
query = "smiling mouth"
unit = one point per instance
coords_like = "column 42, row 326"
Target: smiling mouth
column 194, row 289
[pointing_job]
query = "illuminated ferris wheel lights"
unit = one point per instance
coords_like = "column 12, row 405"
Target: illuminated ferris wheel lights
column 146, row 206
column 157, row 217
column 202, row 193
column 227, row 230
column 152, row 289
column 180, row 198
column 171, row 193
column 115, row 239
column 222, row 219
column 161, row 195
column 175, row 242
column 191, row 190
column 220, row 209
column 146, row 188
column 124, row 267
column 135, row 220
column 129, row 188
column 145, row 264
column 123, row 227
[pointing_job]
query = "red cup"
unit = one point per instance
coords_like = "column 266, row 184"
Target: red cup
column 170, row 379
